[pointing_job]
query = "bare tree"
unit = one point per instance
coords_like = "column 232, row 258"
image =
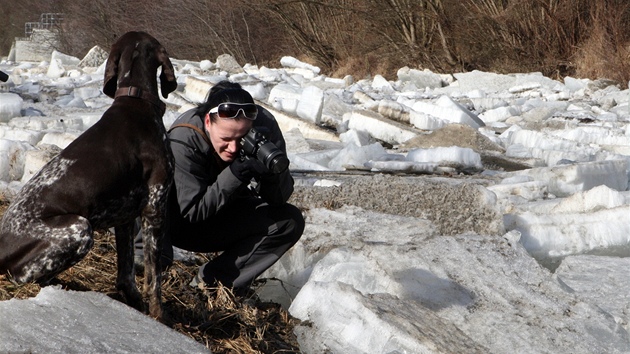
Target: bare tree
column 415, row 29
column 195, row 29
column 399, row 32
column 326, row 31
column 556, row 37
column 16, row 13
column 98, row 22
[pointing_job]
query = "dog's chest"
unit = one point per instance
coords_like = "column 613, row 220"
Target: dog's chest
column 119, row 209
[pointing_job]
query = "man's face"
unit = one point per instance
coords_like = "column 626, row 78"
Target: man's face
column 226, row 135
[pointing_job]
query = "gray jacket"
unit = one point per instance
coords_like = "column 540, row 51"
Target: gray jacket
column 202, row 183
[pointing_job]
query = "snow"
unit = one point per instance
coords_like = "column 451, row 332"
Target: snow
column 422, row 292
column 532, row 259
column 84, row 322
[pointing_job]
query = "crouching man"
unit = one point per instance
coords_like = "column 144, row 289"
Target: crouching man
column 211, row 208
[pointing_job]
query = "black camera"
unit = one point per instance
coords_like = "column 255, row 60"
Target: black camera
column 255, row 145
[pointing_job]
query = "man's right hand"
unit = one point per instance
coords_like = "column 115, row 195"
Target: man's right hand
column 246, row 169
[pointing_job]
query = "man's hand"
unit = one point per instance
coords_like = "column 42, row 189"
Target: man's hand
column 246, row 169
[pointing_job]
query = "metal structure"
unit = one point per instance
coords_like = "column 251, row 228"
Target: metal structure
column 46, row 21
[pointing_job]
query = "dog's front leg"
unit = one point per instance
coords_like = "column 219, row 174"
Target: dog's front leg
column 153, row 229
column 126, row 281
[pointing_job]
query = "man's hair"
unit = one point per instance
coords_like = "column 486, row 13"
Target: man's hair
column 222, row 85
column 223, row 91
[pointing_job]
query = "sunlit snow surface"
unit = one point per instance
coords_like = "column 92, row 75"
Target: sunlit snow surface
column 58, row 321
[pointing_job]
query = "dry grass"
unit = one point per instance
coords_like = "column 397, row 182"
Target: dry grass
column 213, row 317
column 606, row 50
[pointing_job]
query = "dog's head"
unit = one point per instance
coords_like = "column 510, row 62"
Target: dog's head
column 136, row 56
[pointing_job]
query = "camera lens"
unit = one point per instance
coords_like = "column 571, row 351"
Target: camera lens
column 275, row 160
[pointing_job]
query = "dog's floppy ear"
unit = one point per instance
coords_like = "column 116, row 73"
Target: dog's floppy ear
column 110, row 80
column 168, row 82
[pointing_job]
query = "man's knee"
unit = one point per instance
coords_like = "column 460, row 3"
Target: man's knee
column 296, row 220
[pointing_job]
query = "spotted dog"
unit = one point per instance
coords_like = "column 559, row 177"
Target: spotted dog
column 117, row 170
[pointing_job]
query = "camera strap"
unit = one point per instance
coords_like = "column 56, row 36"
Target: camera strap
column 205, row 138
column 195, row 128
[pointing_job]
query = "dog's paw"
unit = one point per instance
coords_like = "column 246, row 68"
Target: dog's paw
column 156, row 311
column 133, row 298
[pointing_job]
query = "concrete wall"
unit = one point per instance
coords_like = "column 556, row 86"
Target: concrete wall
column 38, row 47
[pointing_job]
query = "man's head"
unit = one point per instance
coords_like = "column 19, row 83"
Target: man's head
column 231, row 113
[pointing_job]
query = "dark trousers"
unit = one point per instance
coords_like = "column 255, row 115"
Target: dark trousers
column 250, row 234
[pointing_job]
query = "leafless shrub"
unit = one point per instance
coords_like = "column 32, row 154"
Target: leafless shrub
column 533, row 35
column 605, row 53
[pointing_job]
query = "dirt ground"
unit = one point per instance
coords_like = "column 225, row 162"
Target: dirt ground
column 455, row 204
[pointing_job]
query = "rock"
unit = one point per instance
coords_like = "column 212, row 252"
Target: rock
column 94, row 58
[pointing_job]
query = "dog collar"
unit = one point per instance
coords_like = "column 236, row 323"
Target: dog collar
column 137, row 92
